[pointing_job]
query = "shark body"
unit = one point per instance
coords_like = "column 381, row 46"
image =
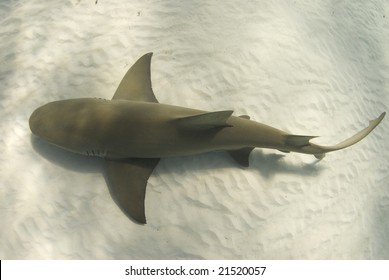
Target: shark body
column 133, row 131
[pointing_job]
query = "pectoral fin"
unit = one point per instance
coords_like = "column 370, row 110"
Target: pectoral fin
column 127, row 181
column 136, row 84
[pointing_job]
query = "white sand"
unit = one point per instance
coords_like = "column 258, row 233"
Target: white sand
column 319, row 68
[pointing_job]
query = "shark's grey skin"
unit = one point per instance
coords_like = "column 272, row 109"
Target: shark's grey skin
column 132, row 131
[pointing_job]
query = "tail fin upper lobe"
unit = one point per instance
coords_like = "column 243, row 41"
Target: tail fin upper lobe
column 302, row 144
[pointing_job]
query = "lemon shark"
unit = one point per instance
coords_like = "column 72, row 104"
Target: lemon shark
column 133, row 131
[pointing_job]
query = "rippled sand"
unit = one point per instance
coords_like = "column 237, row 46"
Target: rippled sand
column 315, row 68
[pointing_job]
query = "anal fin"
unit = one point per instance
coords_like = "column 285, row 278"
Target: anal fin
column 320, row 156
column 241, row 156
column 127, row 181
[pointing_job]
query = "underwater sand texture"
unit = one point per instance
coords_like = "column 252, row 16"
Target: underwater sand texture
column 317, row 68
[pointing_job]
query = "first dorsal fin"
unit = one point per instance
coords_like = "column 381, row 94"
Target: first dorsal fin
column 136, row 84
column 205, row 121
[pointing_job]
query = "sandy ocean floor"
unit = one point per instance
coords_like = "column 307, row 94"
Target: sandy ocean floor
column 308, row 67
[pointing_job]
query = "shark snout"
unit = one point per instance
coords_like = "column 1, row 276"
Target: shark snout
column 35, row 120
column 41, row 120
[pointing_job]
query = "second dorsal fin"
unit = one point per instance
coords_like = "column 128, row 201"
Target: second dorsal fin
column 204, row 121
column 298, row 140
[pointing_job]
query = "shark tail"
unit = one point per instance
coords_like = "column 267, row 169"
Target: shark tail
column 302, row 144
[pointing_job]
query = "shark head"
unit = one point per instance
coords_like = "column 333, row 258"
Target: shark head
column 44, row 120
column 68, row 124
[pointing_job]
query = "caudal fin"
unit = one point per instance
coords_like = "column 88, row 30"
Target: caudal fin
column 302, row 143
